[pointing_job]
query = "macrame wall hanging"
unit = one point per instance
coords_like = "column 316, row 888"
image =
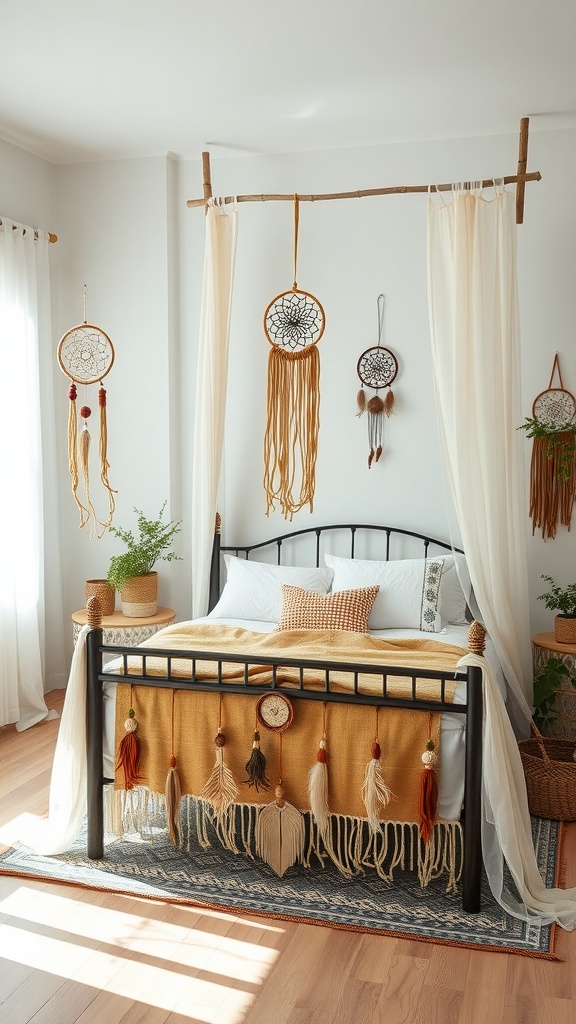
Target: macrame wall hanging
column 86, row 355
column 377, row 368
column 293, row 323
column 552, row 428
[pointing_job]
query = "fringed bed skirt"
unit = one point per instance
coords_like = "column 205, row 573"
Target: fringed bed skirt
column 349, row 842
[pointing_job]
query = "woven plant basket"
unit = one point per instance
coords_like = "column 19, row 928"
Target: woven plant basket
column 140, row 596
column 550, row 772
column 105, row 593
column 565, row 629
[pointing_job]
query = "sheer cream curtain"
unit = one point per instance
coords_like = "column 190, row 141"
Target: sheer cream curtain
column 473, row 306
column 211, row 386
column 472, row 293
column 25, row 334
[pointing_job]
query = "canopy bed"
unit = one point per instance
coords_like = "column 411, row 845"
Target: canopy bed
column 337, row 681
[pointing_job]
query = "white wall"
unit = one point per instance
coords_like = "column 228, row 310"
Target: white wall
column 349, row 252
column 125, row 231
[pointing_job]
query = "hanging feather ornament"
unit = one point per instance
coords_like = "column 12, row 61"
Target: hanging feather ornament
column 86, row 355
column 376, row 368
column 428, row 803
column 220, row 790
column 173, row 792
column 553, row 463
column 280, row 825
column 375, row 792
column 318, row 785
column 256, row 766
column 128, row 759
column 293, row 323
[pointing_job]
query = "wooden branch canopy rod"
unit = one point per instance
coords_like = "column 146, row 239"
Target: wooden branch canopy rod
column 519, row 179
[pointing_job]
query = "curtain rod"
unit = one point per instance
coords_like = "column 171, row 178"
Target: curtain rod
column 520, row 179
column 15, row 227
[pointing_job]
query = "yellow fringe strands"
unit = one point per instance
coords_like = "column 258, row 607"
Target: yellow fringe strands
column 86, row 355
column 293, row 323
column 292, row 426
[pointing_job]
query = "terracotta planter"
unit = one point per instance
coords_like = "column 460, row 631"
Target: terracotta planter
column 565, row 629
column 105, row 593
column 140, row 596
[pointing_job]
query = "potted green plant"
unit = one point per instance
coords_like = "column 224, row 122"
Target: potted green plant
column 547, row 683
column 563, row 601
column 131, row 573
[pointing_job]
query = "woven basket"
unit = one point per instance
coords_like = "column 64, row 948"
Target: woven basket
column 140, row 596
column 550, row 772
column 105, row 593
column 565, row 629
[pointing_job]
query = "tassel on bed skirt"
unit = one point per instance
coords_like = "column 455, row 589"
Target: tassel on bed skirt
column 349, row 842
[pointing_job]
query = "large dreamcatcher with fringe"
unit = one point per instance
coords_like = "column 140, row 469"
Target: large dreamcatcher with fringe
column 86, row 356
column 377, row 368
column 293, row 323
column 553, row 465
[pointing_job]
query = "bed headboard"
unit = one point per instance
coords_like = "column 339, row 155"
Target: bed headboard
column 306, row 547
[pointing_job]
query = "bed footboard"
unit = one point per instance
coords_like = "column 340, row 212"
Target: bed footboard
column 472, row 709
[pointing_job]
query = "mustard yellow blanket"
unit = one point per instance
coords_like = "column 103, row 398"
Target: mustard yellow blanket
column 185, row 723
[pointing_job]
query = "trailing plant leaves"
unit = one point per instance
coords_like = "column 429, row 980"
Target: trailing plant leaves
column 547, row 681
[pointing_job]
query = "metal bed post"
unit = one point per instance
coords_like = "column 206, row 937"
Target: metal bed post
column 472, row 871
column 94, row 733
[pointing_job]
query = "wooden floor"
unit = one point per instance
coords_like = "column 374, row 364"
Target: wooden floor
column 70, row 955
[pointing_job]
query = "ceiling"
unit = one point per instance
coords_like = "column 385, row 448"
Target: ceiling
column 84, row 80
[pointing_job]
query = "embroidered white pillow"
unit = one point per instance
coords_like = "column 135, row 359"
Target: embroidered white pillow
column 253, row 590
column 455, row 590
column 409, row 595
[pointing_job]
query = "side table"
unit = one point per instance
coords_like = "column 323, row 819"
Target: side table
column 545, row 646
column 122, row 629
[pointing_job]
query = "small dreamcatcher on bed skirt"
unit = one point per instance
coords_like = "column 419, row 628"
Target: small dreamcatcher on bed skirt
column 553, row 464
column 377, row 369
column 86, row 355
column 293, row 324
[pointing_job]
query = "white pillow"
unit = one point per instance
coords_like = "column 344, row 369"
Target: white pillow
column 409, row 595
column 253, row 590
column 455, row 590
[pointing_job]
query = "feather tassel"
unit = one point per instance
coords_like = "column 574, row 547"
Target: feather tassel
column 428, row 804
column 375, row 792
column 173, row 795
column 256, row 767
column 220, row 790
column 361, row 402
column 389, row 402
column 129, row 752
column 318, row 790
column 280, row 834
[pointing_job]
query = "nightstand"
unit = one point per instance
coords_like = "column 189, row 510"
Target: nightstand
column 545, row 646
column 121, row 629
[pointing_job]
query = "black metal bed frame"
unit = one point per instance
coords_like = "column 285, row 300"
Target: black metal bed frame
column 472, row 709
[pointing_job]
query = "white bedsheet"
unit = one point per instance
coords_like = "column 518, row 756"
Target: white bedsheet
column 452, row 726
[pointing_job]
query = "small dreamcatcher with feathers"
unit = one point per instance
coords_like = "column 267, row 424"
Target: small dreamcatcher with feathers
column 86, row 356
column 377, row 368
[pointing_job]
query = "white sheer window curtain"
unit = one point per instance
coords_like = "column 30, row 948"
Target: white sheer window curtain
column 25, row 390
column 211, row 387
column 473, row 306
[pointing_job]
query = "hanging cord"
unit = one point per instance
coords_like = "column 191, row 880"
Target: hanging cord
column 555, row 366
column 380, row 306
column 296, row 225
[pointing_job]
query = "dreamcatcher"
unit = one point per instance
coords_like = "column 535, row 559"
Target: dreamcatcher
column 293, row 323
column 553, row 463
column 86, row 355
column 377, row 368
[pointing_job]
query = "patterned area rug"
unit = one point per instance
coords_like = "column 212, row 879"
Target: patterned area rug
column 218, row 879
